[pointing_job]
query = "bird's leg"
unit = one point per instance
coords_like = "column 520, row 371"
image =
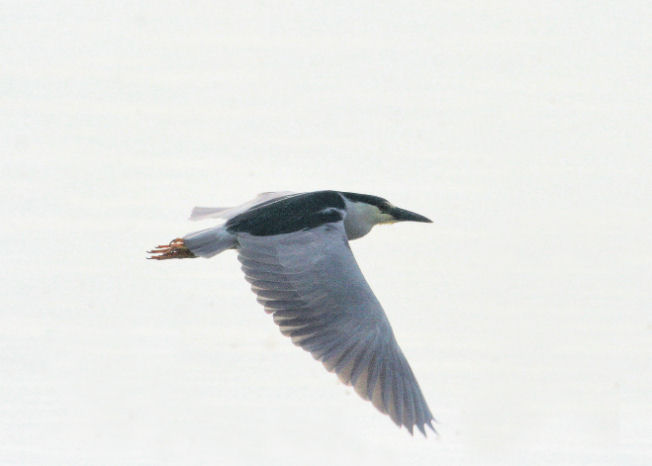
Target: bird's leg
column 175, row 250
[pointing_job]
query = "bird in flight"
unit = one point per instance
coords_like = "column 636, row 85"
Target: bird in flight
column 294, row 251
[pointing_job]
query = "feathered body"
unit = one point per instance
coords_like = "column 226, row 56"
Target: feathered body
column 294, row 251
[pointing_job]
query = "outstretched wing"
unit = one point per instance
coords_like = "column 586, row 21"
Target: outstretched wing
column 311, row 283
column 201, row 213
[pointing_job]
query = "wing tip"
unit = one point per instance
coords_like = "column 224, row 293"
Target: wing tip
column 422, row 428
column 202, row 213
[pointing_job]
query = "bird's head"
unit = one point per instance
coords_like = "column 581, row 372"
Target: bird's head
column 365, row 211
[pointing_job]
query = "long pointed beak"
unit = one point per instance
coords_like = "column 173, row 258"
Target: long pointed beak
column 402, row 215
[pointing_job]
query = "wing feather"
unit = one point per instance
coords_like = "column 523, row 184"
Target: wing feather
column 201, row 213
column 311, row 283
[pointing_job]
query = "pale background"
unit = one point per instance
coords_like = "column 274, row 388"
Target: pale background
column 521, row 128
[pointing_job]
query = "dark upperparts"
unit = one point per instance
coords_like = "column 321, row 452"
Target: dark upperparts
column 290, row 214
column 367, row 198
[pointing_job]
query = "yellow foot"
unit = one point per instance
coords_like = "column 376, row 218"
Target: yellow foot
column 175, row 250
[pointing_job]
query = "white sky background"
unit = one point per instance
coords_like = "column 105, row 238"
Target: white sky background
column 521, row 128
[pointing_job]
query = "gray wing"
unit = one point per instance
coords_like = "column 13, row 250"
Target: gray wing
column 201, row 213
column 311, row 283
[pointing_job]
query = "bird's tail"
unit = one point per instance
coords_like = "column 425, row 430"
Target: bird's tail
column 202, row 243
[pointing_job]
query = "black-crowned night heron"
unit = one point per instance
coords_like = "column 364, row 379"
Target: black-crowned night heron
column 294, row 251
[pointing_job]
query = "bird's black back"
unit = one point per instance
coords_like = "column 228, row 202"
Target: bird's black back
column 287, row 215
